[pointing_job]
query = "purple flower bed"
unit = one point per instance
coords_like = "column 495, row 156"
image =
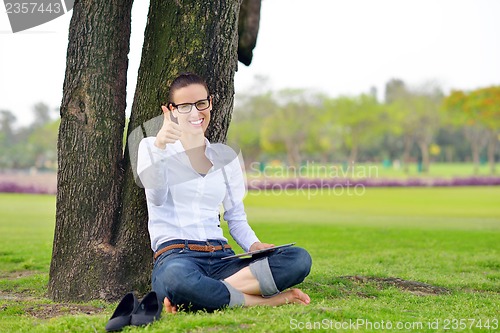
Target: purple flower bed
column 304, row 183
column 11, row 187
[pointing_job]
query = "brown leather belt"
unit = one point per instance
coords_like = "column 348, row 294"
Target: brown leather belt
column 192, row 247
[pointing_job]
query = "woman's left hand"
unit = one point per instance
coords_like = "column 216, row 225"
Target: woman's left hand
column 260, row 246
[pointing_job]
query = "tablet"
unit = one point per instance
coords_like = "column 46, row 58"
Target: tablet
column 252, row 253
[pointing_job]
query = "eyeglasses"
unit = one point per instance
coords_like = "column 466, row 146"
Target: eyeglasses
column 200, row 105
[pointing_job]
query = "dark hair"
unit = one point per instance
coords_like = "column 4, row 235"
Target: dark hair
column 184, row 80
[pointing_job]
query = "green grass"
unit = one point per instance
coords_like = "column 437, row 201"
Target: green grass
column 368, row 170
column 444, row 237
column 442, row 170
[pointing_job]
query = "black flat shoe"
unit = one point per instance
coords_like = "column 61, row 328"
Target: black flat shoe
column 123, row 313
column 149, row 310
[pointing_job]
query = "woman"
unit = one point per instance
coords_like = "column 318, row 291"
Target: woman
column 186, row 179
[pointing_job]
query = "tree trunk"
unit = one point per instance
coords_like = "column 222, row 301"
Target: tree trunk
column 101, row 245
column 84, row 260
column 424, row 150
column 477, row 139
column 408, row 142
column 291, row 152
column 353, row 156
column 248, row 29
column 448, row 153
column 180, row 36
column 475, row 157
column 492, row 146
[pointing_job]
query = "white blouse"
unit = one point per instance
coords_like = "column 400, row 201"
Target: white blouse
column 182, row 204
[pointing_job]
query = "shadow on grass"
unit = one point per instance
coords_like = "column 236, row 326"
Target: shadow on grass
column 20, row 295
column 369, row 286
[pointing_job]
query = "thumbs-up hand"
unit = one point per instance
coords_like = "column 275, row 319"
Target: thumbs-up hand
column 169, row 132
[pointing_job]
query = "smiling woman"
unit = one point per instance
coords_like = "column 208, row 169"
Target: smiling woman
column 186, row 180
column 181, row 120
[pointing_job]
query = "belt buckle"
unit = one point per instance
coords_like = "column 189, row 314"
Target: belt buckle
column 210, row 247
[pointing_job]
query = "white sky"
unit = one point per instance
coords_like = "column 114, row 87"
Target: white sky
column 335, row 46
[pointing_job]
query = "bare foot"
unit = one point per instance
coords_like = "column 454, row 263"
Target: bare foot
column 169, row 308
column 290, row 296
column 296, row 296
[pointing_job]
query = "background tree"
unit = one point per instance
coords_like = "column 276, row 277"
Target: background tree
column 7, row 120
column 464, row 113
column 324, row 134
column 101, row 245
column 41, row 114
column 417, row 113
column 31, row 146
column 245, row 131
column 398, row 102
column 485, row 103
column 7, row 138
column 286, row 128
column 426, row 104
column 362, row 120
column 394, row 90
column 452, row 141
column 43, row 141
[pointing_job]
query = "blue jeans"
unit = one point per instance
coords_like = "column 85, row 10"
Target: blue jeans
column 192, row 280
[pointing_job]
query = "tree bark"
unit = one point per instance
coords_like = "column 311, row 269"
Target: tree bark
column 90, row 151
column 182, row 36
column 248, row 29
column 101, row 244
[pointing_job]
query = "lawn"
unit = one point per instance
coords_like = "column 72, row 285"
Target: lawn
column 313, row 169
column 398, row 259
